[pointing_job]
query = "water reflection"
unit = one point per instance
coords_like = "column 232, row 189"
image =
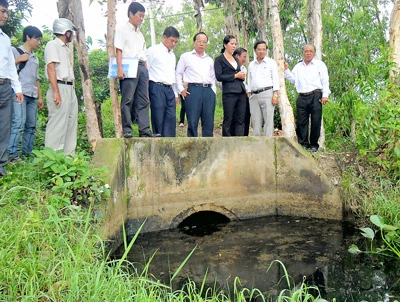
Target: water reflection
column 312, row 248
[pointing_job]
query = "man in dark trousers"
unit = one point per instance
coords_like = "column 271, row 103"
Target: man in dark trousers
column 8, row 83
column 161, row 61
column 129, row 43
column 311, row 79
column 195, row 80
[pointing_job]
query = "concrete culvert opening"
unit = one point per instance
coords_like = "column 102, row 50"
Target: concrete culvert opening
column 203, row 223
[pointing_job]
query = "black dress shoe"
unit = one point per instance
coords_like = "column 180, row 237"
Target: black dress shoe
column 149, row 134
column 2, row 171
column 128, row 135
column 313, row 149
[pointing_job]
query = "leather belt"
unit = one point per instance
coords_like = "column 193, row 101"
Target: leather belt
column 261, row 90
column 162, row 84
column 5, row 81
column 65, row 82
column 199, row 85
column 311, row 92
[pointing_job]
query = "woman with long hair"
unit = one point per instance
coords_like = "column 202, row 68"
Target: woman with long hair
column 227, row 71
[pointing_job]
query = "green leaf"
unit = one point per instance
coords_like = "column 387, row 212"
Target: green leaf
column 353, row 249
column 377, row 220
column 389, row 228
column 368, row 233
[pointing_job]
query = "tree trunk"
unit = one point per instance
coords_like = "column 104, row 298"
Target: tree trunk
column 315, row 26
column 198, row 5
column 261, row 18
column 285, row 109
column 245, row 30
column 394, row 38
column 111, row 24
column 315, row 37
column 92, row 118
column 73, row 10
column 231, row 20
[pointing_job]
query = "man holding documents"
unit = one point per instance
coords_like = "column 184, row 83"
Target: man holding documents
column 130, row 43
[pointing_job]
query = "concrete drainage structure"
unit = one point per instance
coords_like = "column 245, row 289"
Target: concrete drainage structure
column 165, row 180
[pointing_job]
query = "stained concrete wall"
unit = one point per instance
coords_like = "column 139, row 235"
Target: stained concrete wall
column 163, row 181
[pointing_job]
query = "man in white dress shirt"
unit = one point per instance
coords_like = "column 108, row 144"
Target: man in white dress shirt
column 129, row 43
column 263, row 87
column 8, row 82
column 311, row 79
column 161, row 62
column 195, row 70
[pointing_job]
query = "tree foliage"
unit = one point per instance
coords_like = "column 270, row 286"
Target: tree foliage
column 18, row 10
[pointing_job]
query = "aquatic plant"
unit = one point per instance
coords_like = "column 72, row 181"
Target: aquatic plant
column 389, row 234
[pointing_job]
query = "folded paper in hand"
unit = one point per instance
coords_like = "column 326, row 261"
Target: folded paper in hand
column 129, row 65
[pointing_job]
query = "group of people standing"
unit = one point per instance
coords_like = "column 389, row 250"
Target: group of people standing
column 20, row 94
column 245, row 93
column 158, row 85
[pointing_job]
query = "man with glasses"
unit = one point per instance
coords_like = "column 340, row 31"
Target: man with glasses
column 62, row 104
column 24, row 115
column 195, row 80
column 8, row 83
column 129, row 43
column 161, row 62
column 311, row 79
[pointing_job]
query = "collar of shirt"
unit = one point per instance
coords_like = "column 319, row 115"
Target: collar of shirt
column 265, row 60
column 195, row 53
column 166, row 48
column 312, row 62
column 137, row 30
column 61, row 42
column 1, row 32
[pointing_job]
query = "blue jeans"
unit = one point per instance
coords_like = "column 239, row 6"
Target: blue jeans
column 23, row 124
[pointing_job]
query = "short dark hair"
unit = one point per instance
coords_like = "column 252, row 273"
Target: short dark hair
column 260, row 42
column 4, row 3
column 135, row 7
column 239, row 51
column 171, row 31
column 227, row 39
column 31, row 32
column 199, row 33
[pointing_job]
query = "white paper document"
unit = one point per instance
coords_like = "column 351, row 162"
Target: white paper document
column 129, row 65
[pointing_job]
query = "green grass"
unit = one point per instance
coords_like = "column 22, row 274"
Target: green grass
column 50, row 251
column 51, row 254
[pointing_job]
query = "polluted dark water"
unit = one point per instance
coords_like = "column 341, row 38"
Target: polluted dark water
column 314, row 250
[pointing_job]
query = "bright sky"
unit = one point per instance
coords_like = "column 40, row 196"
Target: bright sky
column 44, row 13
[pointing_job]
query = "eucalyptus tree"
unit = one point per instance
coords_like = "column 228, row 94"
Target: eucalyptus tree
column 394, row 39
column 285, row 109
column 314, row 22
column 111, row 25
column 198, row 5
column 72, row 10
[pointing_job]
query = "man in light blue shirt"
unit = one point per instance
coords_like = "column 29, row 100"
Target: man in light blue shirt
column 25, row 114
column 8, row 82
column 311, row 79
